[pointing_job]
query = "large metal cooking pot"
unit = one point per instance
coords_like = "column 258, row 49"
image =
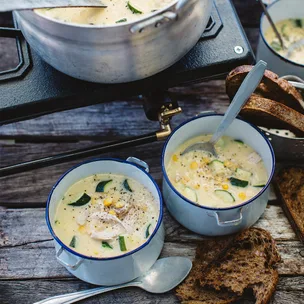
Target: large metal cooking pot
column 118, row 53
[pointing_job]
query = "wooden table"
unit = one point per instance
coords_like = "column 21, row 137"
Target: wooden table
column 28, row 269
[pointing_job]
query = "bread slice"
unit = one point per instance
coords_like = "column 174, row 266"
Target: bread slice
column 249, row 263
column 271, row 87
column 269, row 113
column 189, row 292
column 290, row 185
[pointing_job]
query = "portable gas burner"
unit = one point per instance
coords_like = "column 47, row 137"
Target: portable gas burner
column 34, row 88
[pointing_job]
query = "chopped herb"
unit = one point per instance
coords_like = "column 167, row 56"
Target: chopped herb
column 57, row 222
column 106, row 245
column 73, row 242
column 147, row 231
column 122, row 243
column 49, row 8
column 239, row 141
column 81, row 201
column 133, row 9
column 276, row 46
column 121, row 20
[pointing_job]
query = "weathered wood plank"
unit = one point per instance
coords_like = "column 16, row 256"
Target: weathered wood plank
column 30, row 291
column 19, row 227
column 37, row 260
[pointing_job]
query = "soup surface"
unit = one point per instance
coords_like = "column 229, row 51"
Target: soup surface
column 105, row 215
column 234, row 177
column 291, row 31
column 117, row 11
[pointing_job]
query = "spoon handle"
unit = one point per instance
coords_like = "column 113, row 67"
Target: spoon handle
column 247, row 87
column 80, row 295
column 7, row 6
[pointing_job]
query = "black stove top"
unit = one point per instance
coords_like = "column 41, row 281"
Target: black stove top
column 34, row 88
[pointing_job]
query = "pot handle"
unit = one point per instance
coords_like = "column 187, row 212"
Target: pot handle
column 158, row 20
column 234, row 222
column 139, row 163
column 65, row 264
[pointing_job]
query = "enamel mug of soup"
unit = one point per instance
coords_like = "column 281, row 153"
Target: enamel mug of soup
column 117, row 269
column 207, row 220
column 279, row 11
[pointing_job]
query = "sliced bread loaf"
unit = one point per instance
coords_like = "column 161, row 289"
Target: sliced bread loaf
column 271, row 87
column 290, row 185
column 269, row 113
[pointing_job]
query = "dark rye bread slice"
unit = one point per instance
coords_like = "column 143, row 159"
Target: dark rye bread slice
column 271, row 114
column 290, row 185
column 189, row 292
column 249, row 264
column 271, row 87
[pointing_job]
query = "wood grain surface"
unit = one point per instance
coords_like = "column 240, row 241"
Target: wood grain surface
column 28, row 268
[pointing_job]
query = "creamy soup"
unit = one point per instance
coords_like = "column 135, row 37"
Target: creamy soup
column 234, row 177
column 117, row 11
column 105, row 215
column 291, row 31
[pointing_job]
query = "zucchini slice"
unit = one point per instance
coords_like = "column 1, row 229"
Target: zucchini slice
column 276, row 46
column 133, row 9
column 224, row 195
column 259, row 186
column 122, row 243
column 103, row 186
column 243, row 174
column 127, row 186
column 190, row 194
column 238, row 182
column 106, row 245
column 73, row 242
column 81, row 201
column 217, row 166
column 147, row 231
column 298, row 23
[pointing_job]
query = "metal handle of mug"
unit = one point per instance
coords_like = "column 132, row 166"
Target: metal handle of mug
column 73, row 267
column 139, row 163
column 234, row 222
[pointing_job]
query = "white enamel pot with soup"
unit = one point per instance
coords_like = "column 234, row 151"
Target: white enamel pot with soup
column 121, row 52
column 290, row 11
column 202, row 218
column 127, row 265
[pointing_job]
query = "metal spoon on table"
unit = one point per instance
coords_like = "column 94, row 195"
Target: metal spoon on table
column 164, row 275
column 12, row 5
column 247, row 87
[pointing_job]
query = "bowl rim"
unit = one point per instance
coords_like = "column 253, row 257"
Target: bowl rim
column 267, row 44
column 117, row 160
column 89, row 26
column 203, row 206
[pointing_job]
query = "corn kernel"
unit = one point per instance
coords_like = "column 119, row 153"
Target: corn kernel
column 112, row 212
column 107, row 202
column 194, row 165
column 82, row 229
column 144, row 208
column 227, row 163
column 206, row 160
column 119, row 205
column 185, row 179
column 242, row 195
column 96, row 252
column 197, row 186
column 175, row 157
column 225, row 186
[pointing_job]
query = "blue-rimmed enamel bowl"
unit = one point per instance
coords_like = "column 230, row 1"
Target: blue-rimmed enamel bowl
column 118, row 269
column 217, row 221
column 280, row 10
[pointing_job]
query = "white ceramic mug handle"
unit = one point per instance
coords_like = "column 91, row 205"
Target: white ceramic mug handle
column 138, row 162
column 65, row 264
column 229, row 223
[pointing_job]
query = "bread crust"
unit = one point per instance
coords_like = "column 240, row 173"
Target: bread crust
column 289, row 184
column 269, row 113
column 271, row 87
